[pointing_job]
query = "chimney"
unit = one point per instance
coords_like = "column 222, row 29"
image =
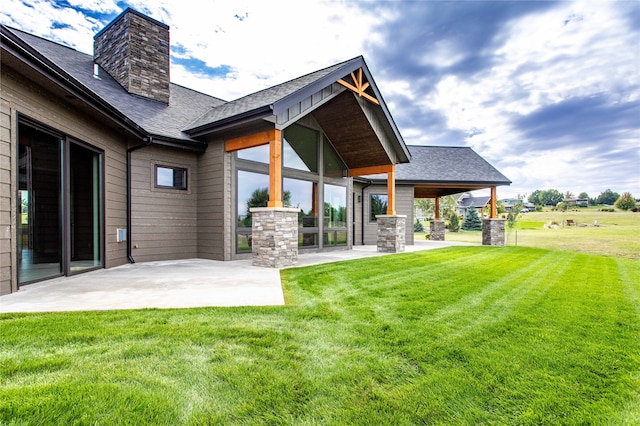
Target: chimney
column 134, row 50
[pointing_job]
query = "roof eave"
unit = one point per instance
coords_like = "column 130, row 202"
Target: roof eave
column 32, row 58
column 230, row 122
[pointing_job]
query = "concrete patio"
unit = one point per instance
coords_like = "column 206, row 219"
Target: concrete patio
column 185, row 283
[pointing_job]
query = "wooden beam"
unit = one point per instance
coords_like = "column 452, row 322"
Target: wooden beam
column 359, row 87
column 371, row 170
column 391, row 190
column 494, row 203
column 437, row 208
column 275, row 170
column 250, row 141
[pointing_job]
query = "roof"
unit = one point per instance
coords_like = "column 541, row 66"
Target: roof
column 445, row 170
column 475, row 201
column 154, row 118
column 263, row 100
column 191, row 114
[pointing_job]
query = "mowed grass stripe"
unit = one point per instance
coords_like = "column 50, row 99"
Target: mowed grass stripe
column 466, row 335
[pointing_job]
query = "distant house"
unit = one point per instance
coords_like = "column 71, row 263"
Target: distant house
column 466, row 201
column 104, row 161
column 508, row 204
column 577, row 202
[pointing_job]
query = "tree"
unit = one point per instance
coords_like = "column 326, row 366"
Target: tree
column 448, row 205
column 625, row 201
column 454, row 222
column 472, row 221
column 513, row 216
column 583, row 196
column 545, row 198
column 607, row 197
column 418, row 226
column 568, row 195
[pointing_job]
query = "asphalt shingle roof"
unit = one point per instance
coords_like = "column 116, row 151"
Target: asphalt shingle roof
column 265, row 97
column 446, row 165
column 156, row 118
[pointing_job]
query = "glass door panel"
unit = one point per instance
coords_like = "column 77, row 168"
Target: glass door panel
column 85, row 242
column 40, row 251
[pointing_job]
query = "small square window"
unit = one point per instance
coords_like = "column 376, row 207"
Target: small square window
column 171, row 177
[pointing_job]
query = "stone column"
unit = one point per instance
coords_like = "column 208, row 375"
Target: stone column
column 391, row 233
column 274, row 236
column 436, row 230
column 493, row 232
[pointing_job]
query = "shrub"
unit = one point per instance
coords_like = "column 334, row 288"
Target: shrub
column 625, row 201
column 418, row 226
column 454, row 223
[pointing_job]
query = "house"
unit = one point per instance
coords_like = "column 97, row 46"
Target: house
column 467, row 201
column 104, row 161
column 577, row 202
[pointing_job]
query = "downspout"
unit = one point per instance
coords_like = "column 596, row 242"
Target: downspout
column 362, row 208
column 147, row 141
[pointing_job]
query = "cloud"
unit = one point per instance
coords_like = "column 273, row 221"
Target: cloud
column 548, row 92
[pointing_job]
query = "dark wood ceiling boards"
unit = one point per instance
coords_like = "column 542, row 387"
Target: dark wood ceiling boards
column 348, row 129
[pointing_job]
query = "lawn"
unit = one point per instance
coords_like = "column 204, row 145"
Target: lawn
column 617, row 233
column 463, row 335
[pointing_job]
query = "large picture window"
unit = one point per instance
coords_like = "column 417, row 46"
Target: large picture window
column 335, row 215
column 303, row 195
column 300, row 148
column 253, row 191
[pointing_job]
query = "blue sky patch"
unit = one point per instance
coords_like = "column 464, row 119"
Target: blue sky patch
column 200, row 67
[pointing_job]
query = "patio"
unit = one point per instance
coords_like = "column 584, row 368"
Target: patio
column 185, row 283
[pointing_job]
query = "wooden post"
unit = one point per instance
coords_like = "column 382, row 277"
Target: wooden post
column 437, row 208
column 275, row 170
column 494, row 203
column 391, row 190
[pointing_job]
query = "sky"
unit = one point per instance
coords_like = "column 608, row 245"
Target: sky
column 547, row 92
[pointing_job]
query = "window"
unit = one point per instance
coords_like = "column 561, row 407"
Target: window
column 253, row 191
column 300, row 148
column 171, row 177
column 378, row 205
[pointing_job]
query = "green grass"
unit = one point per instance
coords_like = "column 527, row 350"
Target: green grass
column 617, row 235
column 464, row 335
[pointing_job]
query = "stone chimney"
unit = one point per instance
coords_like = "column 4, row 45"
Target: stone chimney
column 134, row 50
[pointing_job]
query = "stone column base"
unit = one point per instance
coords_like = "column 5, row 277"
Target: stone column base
column 436, row 228
column 391, row 233
column 493, row 232
column 274, row 236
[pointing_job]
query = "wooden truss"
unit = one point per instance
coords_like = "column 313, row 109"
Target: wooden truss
column 359, row 86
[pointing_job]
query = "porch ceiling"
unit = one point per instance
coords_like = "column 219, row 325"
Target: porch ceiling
column 348, row 128
column 435, row 190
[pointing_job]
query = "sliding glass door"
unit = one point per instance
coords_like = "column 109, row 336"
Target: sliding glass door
column 60, row 225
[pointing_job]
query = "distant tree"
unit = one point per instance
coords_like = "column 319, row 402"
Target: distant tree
column 418, row 226
column 568, row 195
column 607, row 197
column 454, row 222
column 625, row 201
column 535, row 198
column 544, row 198
column 472, row 221
column 552, row 197
column 583, row 196
column 448, row 205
